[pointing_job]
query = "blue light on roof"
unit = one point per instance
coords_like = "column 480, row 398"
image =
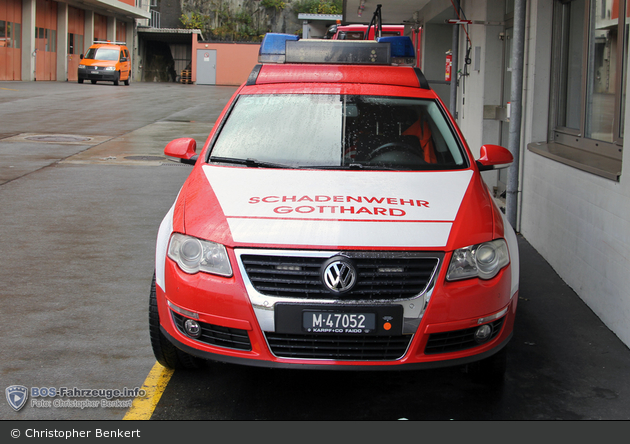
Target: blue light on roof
column 401, row 46
column 273, row 47
column 281, row 48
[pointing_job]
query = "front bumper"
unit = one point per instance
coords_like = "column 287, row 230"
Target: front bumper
column 422, row 365
column 238, row 324
column 97, row 74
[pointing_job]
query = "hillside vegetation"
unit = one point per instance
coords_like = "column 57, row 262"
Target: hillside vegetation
column 249, row 20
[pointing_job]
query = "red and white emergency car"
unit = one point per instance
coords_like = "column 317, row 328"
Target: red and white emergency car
column 335, row 218
column 357, row 32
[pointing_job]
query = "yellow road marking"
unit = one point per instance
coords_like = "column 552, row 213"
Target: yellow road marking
column 9, row 89
column 142, row 407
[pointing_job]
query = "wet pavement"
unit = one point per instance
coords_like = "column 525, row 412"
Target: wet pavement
column 79, row 219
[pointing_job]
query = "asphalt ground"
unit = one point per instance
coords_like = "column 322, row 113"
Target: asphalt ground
column 78, row 224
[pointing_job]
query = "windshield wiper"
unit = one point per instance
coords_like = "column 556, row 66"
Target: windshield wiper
column 351, row 166
column 252, row 163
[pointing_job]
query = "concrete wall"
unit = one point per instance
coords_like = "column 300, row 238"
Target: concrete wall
column 578, row 221
column 437, row 38
column 482, row 84
column 170, row 13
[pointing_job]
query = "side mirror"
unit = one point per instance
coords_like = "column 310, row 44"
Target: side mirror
column 184, row 149
column 494, row 157
column 81, row 56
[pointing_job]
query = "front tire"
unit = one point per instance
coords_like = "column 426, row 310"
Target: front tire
column 128, row 81
column 117, row 78
column 164, row 351
column 80, row 80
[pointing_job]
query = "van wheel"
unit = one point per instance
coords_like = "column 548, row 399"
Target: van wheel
column 93, row 82
column 164, row 351
column 80, row 80
column 128, row 81
column 117, row 77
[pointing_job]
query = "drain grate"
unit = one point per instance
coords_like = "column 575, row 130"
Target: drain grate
column 59, row 138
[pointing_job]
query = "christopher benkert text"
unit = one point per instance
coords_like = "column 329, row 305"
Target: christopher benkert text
column 98, row 433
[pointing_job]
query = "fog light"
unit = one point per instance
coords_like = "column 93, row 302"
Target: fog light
column 483, row 334
column 193, row 329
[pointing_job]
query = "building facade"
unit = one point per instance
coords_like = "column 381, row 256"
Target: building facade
column 43, row 39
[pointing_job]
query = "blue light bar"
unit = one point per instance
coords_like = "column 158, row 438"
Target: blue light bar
column 402, row 49
column 273, row 47
column 281, row 48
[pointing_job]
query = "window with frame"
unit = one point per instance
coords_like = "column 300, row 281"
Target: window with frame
column 590, row 49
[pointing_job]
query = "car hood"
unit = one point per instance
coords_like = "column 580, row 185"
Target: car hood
column 308, row 208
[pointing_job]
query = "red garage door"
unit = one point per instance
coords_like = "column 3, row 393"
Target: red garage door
column 100, row 27
column 10, row 40
column 46, row 40
column 76, row 29
column 121, row 31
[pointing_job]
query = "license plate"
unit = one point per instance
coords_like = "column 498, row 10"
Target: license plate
column 94, row 72
column 338, row 323
column 316, row 319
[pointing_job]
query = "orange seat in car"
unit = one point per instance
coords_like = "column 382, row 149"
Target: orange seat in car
column 421, row 130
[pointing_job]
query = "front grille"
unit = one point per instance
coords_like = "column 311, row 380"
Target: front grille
column 217, row 335
column 457, row 340
column 340, row 347
column 380, row 275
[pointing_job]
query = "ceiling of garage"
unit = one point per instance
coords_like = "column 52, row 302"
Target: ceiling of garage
column 392, row 12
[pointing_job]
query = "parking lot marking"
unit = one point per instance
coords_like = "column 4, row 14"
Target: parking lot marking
column 155, row 384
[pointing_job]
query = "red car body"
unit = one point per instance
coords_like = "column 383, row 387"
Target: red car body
column 258, row 216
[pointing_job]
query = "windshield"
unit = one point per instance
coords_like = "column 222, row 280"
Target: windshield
column 337, row 131
column 102, row 54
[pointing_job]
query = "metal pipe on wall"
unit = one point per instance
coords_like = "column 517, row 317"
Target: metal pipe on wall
column 516, row 99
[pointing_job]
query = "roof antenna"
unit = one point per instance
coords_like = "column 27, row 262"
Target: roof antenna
column 377, row 21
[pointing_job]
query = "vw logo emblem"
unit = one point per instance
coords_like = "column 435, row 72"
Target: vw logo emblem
column 339, row 275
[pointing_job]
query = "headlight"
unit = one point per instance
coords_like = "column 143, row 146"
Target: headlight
column 81, row 66
column 483, row 260
column 194, row 255
column 110, row 68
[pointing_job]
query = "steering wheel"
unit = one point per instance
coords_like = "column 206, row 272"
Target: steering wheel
column 396, row 146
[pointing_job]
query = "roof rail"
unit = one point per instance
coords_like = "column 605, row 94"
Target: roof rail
column 110, row 42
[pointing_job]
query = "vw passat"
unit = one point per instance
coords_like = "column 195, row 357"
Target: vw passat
column 335, row 218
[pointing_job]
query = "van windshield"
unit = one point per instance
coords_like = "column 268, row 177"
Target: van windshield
column 102, row 54
column 338, row 131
